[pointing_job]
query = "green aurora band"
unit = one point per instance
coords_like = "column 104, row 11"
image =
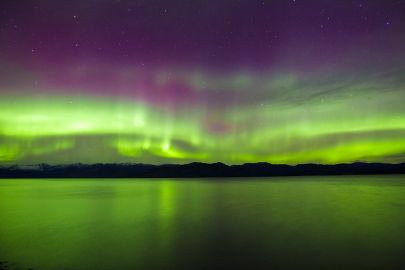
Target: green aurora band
column 276, row 118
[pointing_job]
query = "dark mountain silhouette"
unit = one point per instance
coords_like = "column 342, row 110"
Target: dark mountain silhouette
column 194, row 169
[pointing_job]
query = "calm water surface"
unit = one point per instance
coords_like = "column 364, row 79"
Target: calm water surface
column 346, row 222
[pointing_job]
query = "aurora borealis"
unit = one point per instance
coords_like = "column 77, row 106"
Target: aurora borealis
column 284, row 82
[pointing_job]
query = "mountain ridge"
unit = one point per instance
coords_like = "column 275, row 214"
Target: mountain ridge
column 194, row 170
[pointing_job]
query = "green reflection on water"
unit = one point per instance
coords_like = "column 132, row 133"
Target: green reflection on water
column 285, row 223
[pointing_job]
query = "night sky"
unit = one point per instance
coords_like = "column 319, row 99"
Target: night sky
column 290, row 81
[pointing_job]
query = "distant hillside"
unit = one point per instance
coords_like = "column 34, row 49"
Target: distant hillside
column 194, row 170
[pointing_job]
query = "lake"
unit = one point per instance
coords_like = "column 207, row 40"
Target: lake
column 332, row 222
